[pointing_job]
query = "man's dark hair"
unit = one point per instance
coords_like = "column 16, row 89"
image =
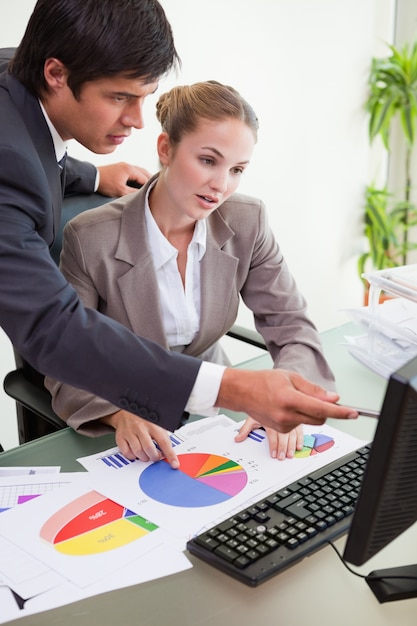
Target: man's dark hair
column 95, row 39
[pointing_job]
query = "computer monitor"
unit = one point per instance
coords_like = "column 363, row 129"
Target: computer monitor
column 387, row 502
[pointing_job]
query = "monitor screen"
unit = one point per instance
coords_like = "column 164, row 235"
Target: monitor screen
column 387, row 502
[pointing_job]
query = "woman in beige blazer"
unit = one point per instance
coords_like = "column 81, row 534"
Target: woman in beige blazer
column 172, row 260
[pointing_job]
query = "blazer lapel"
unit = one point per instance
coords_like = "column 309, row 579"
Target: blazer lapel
column 218, row 274
column 38, row 130
column 138, row 286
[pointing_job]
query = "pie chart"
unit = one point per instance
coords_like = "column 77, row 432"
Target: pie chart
column 314, row 444
column 202, row 480
column 92, row 524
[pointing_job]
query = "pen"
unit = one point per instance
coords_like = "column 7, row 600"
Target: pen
column 366, row 412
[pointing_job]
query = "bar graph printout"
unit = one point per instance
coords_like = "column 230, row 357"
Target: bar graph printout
column 216, row 475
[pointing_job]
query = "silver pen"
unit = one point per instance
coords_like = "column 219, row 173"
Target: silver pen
column 367, row 412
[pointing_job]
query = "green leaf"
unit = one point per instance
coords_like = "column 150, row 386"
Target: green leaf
column 408, row 123
column 380, row 119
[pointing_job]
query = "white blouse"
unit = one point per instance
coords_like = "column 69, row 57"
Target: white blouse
column 181, row 305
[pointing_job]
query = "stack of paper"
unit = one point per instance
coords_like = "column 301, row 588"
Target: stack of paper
column 390, row 328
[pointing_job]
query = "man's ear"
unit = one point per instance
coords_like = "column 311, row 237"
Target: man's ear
column 55, row 74
column 164, row 148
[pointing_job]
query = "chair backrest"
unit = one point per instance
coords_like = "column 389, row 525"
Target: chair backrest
column 72, row 206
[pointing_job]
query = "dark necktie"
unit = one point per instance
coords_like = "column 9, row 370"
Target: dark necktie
column 61, row 164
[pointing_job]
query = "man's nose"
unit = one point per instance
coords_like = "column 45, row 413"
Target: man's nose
column 134, row 117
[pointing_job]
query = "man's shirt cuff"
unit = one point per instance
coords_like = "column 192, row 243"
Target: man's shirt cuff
column 206, row 389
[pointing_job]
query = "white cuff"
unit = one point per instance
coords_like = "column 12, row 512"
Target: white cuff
column 206, row 389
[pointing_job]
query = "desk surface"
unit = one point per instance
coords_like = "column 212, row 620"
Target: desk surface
column 319, row 590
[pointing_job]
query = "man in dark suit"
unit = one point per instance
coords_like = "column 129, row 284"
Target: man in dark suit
column 82, row 71
column 81, row 177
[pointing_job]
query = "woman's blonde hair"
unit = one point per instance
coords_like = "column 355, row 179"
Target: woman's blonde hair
column 181, row 109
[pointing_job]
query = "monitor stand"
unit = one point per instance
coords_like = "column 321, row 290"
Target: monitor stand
column 395, row 583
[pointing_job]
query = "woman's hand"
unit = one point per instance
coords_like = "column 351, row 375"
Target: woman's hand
column 136, row 438
column 281, row 445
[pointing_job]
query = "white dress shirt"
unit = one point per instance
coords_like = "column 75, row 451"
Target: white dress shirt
column 59, row 145
column 180, row 306
column 180, row 303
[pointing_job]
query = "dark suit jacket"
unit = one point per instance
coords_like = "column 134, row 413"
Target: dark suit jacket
column 80, row 176
column 106, row 256
column 40, row 312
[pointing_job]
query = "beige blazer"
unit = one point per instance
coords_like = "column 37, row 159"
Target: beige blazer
column 107, row 258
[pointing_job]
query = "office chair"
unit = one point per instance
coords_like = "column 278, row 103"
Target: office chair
column 35, row 416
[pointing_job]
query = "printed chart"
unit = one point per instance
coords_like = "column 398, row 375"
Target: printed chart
column 202, row 480
column 216, row 475
column 315, row 443
column 92, row 524
column 16, row 490
column 80, row 533
column 11, row 497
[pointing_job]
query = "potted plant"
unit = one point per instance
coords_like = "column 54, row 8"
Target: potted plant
column 389, row 215
column 386, row 223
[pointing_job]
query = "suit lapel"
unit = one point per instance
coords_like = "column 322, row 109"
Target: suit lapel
column 44, row 151
column 138, row 286
column 218, row 272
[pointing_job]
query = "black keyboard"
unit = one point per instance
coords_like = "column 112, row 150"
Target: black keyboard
column 282, row 528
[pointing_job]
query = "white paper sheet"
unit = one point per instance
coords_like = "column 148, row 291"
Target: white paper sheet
column 27, row 471
column 21, row 488
column 79, row 534
column 216, row 475
column 161, row 561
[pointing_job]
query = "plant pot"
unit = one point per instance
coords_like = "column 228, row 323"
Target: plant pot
column 383, row 296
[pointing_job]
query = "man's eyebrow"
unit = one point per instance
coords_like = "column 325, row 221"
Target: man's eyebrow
column 128, row 94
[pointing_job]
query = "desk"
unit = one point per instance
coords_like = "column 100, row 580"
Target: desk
column 319, row 590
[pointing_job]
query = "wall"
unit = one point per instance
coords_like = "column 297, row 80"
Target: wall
column 303, row 66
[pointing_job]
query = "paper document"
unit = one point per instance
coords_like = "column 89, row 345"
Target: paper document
column 19, row 489
column 161, row 561
column 72, row 543
column 216, row 475
column 27, row 471
column 389, row 340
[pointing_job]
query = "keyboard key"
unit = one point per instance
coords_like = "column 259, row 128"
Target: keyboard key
column 226, row 553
